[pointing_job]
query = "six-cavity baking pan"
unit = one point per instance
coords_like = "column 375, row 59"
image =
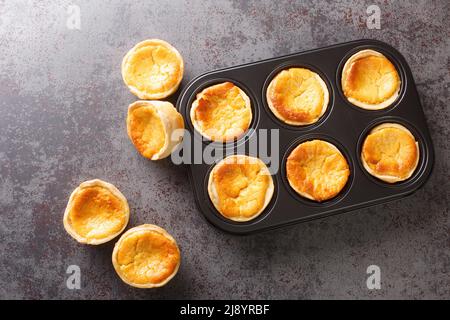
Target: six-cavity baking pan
column 343, row 124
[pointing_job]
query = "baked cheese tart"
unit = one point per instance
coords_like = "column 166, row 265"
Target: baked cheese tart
column 390, row 152
column 317, row 170
column 297, row 96
column 152, row 69
column 240, row 187
column 96, row 212
column 221, row 112
column 370, row 80
column 155, row 128
column 146, row 256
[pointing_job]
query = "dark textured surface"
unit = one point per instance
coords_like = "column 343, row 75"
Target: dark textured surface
column 62, row 121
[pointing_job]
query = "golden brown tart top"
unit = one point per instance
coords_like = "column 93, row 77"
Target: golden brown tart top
column 390, row 152
column 317, row 170
column 221, row 112
column 146, row 257
column 297, row 96
column 370, row 80
column 96, row 212
column 152, row 69
column 240, row 187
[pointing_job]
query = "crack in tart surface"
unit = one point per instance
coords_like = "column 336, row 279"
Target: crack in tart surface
column 96, row 212
column 152, row 69
column 146, row 256
column 221, row 112
column 390, row 153
column 317, row 170
column 370, row 80
column 297, row 96
column 155, row 128
column 240, row 187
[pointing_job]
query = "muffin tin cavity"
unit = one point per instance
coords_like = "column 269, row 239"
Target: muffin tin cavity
column 343, row 124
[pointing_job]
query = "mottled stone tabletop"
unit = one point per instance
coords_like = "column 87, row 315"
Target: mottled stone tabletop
column 62, row 121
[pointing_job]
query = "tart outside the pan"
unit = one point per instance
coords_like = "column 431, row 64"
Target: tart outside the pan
column 96, row 212
column 146, row 256
column 155, row 128
column 152, row 69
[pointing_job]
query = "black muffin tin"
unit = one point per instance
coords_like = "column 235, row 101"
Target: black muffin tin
column 343, row 124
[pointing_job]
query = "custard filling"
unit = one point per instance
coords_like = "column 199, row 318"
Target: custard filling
column 222, row 112
column 147, row 256
column 298, row 96
column 148, row 133
column 97, row 213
